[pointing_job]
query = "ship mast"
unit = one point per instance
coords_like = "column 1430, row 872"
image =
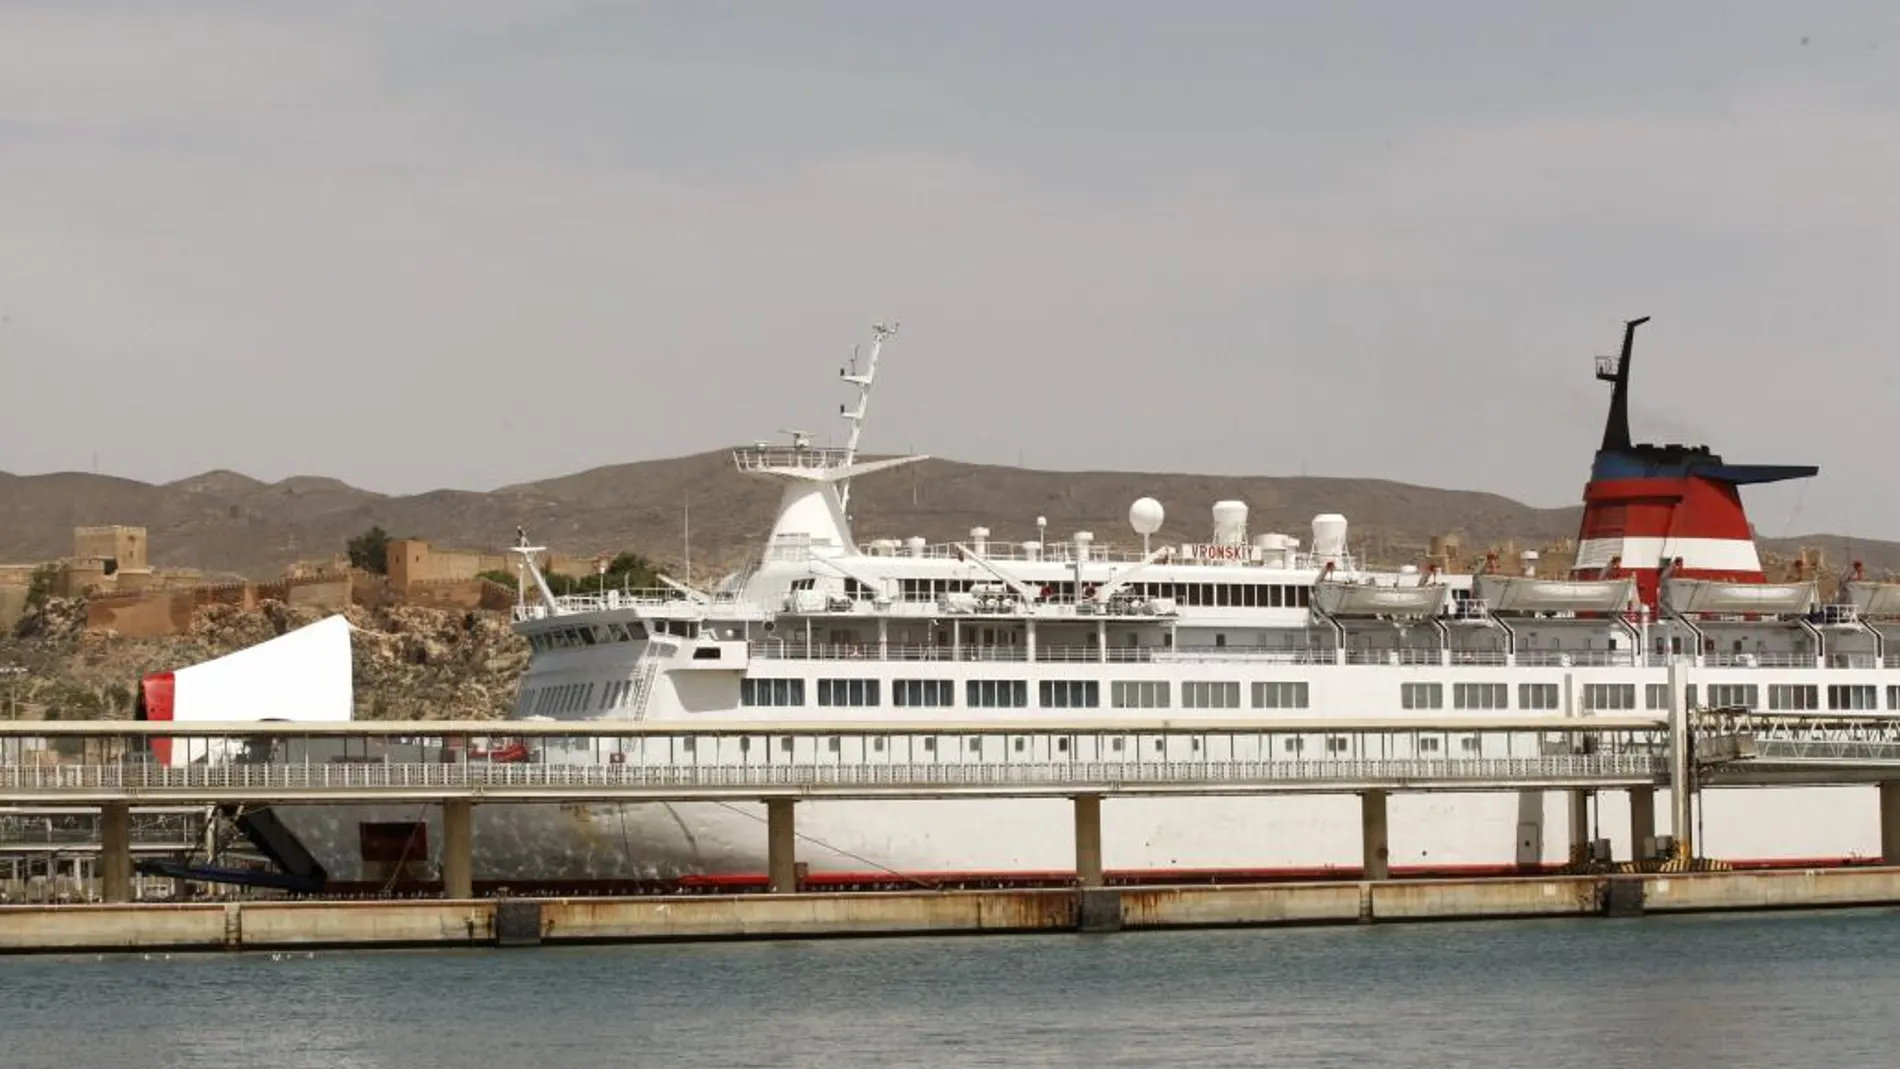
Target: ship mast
column 854, row 417
column 1616, row 372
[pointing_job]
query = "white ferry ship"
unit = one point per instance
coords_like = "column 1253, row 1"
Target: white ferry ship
column 820, row 627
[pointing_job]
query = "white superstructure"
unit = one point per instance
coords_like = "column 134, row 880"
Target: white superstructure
column 1204, row 619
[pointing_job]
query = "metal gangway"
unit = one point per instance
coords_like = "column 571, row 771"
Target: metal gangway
column 522, row 761
column 1743, row 747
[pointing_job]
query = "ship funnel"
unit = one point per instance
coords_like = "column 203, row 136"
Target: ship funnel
column 1646, row 504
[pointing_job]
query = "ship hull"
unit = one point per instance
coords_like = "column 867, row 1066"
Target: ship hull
column 577, row 845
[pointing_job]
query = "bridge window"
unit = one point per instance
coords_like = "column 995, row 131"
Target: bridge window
column 1422, row 695
column 1069, row 693
column 1734, row 695
column 1655, row 696
column 1296, row 744
column 923, row 693
column 1138, row 694
column 996, row 694
column 1793, row 697
column 855, row 692
column 1481, row 696
column 1429, row 744
column 1852, row 696
column 1338, row 744
column 771, row 692
column 1537, row 696
column 1893, row 696
column 1609, row 696
column 1210, row 695
column 1279, row 695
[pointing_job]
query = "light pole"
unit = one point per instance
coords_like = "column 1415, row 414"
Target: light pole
column 13, row 674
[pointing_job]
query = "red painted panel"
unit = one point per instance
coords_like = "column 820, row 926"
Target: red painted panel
column 155, row 703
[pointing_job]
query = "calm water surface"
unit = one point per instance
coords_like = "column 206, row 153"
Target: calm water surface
column 1782, row 991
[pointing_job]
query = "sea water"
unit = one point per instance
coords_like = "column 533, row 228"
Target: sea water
column 1808, row 990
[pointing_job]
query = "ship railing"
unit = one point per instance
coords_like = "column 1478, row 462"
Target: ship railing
column 1744, row 659
column 649, row 599
column 1003, row 552
column 1083, row 654
column 1577, row 658
column 1390, row 655
column 791, row 650
column 1479, row 658
column 1232, row 654
column 633, row 774
column 768, row 457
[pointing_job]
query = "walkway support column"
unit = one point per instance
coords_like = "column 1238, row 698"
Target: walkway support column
column 781, row 849
column 1372, row 830
column 1890, row 822
column 1642, row 820
column 1681, row 795
column 115, row 852
column 1579, row 800
column 1088, row 840
column 458, row 848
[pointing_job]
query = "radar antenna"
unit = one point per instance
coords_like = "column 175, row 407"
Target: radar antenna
column 854, row 417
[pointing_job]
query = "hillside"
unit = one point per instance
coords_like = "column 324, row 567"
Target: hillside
column 226, row 522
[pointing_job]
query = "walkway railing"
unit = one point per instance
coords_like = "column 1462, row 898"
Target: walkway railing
column 524, row 781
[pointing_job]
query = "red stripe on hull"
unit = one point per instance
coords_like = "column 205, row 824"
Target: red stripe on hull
column 756, row 882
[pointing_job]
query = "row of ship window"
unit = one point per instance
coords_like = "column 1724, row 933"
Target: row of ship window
column 1609, row 697
column 1014, row 693
column 1293, row 744
column 572, row 698
column 577, row 638
column 1206, row 595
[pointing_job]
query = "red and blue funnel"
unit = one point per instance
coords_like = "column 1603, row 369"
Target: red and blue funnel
column 1648, row 505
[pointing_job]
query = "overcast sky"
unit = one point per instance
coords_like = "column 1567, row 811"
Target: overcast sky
column 463, row 243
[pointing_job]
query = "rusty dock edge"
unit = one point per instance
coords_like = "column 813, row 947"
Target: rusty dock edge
column 554, row 921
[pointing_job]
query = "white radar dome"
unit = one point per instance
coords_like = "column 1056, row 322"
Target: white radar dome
column 1145, row 516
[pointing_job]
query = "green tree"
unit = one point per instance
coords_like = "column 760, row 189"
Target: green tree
column 627, row 571
column 40, row 586
column 370, row 551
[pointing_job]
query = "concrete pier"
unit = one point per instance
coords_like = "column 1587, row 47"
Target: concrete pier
column 548, row 921
column 115, row 852
column 458, row 848
column 781, row 846
column 1372, row 830
column 1088, row 840
column 1642, row 819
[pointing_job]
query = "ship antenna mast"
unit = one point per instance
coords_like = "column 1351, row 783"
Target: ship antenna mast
column 1616, row 372
column 854, row 417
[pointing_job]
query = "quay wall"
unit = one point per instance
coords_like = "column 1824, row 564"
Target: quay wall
column 258, row 925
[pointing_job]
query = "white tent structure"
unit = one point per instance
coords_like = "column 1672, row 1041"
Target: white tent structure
column 301, row 675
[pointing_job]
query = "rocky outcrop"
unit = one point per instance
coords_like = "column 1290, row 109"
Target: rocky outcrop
column 411, row 662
